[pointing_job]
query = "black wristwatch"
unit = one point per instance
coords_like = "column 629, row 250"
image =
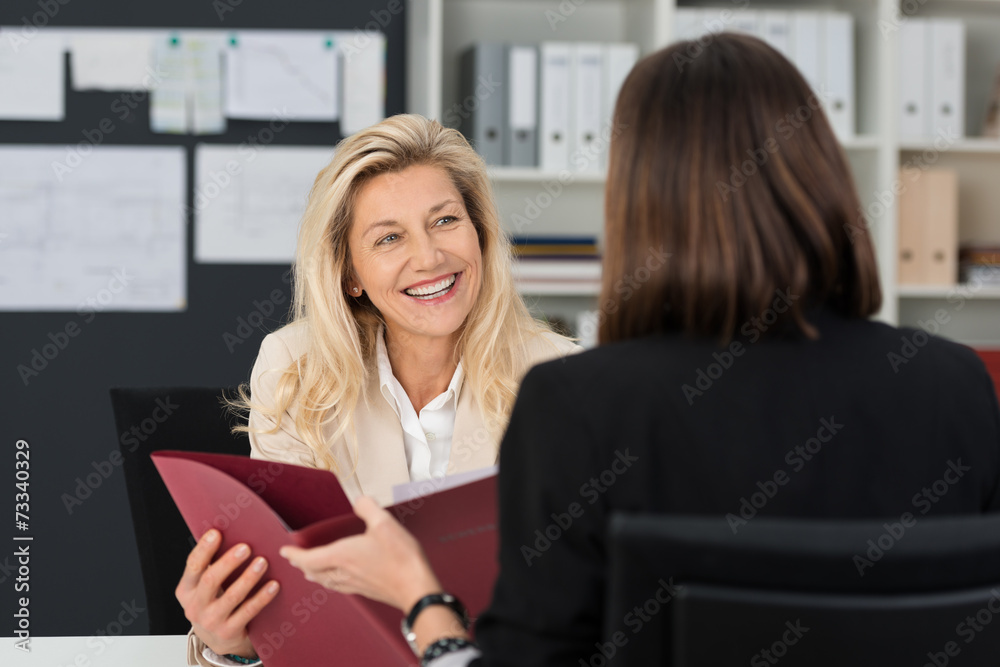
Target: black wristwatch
column 445, row 599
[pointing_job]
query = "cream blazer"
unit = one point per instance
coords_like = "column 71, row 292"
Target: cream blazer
column 381, row 455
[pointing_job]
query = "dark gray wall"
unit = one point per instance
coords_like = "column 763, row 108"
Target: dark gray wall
column 84, row 564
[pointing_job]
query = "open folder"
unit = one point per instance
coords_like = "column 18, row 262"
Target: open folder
column 267, row 505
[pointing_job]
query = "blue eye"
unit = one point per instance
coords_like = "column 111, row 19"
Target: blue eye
column 386, row 240
column 447, row 220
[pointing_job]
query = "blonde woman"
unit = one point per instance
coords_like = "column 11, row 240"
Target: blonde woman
column 406, row 349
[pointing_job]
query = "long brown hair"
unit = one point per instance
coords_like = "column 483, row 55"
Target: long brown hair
column 723, row 159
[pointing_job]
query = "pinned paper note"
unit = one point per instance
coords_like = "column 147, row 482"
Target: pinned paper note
column 32, row 75
column 188, row 100
column 92, row 232
column 269, row 71
column 249, row 199
column 364, row 81
column 168, row 103
column 204, row 76
column 111, row 60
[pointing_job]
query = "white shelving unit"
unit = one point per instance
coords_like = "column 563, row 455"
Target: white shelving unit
column 973, row 310
column 439, row 30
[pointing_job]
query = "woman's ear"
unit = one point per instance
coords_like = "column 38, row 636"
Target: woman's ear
column 352, row 286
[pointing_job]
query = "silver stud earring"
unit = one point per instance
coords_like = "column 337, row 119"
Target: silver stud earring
column 355, row 290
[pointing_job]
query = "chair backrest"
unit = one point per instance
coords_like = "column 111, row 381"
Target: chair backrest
column 686, row 591
column 147, row 420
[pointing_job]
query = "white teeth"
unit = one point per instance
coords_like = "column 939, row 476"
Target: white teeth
column 428, row 290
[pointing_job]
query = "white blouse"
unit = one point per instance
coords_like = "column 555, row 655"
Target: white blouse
column 427, row 436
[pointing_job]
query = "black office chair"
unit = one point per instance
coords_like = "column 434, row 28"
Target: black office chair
column 148, row 420
column 687, row 591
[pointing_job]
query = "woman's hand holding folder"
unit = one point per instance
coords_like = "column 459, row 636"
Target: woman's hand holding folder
column 385, row 563
column 220, row 615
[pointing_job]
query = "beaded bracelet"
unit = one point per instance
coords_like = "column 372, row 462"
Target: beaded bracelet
column 443, row 646
column 240, row 659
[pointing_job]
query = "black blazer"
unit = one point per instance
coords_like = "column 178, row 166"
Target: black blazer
column 866, row 421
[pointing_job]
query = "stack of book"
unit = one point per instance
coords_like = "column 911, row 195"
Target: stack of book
column 557, row 264
column 980, row 265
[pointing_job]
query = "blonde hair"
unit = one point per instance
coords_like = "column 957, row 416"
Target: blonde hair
column 328, row 380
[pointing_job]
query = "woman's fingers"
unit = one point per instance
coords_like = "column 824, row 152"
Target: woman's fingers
column 219, row 616
column 369, row 511
column 197, row 561
column 384, row 563
column 237, row 592
column 252, row 606
column 212, row 579
column 314, row 562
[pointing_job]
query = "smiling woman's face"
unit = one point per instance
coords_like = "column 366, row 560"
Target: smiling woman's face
column 415, row 252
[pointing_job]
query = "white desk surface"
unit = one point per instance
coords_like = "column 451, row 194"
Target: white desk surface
column 125, row 651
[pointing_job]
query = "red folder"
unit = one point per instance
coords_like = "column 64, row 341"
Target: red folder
column 268, row 505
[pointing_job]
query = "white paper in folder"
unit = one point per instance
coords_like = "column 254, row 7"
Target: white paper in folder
column 32, row 74
column 947, row 111
column 914, row 94
column 588, row 101
column 838, row 71
column 555, row 86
